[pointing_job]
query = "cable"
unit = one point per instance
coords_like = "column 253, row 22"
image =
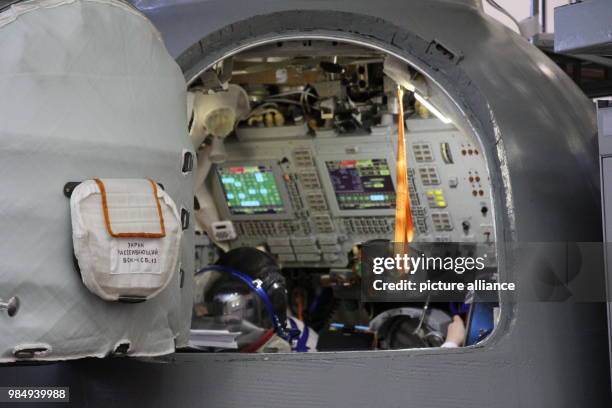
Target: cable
column 255, row 286
column 423, row 314
column 280, row 100
column 302, row 92
column 262, row 108
column 505, row 12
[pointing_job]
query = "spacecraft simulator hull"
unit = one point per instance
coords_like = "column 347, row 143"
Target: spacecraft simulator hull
column 538, row 134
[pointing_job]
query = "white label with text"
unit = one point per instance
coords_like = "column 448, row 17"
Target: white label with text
column 135, row 255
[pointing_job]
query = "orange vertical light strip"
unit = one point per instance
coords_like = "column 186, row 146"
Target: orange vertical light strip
column 404, row 226
column 300, row 307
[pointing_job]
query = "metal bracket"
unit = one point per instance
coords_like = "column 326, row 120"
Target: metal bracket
column 11, row 306
column 437, row 48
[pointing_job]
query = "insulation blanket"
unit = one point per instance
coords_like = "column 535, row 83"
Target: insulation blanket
column 88, row 91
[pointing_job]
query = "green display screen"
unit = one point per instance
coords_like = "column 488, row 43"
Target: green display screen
column 250, row 190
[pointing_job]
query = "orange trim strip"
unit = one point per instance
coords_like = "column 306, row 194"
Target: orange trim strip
column 162, row 223
column 161, row 234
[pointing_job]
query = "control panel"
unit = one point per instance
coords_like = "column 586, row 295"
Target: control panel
column 361, row 184
column 310, row 199
column 450, row 188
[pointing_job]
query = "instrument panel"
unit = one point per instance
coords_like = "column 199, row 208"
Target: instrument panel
column 310, row 198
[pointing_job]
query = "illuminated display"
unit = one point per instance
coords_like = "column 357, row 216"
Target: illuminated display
column 362, row 184
column 250, row 190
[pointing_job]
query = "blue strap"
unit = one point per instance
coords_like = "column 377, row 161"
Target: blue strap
column 301, row 344
column 300, row 347
column 255, row 286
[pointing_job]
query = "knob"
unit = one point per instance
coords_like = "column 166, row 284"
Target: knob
column 466, row 226
column 11, row 306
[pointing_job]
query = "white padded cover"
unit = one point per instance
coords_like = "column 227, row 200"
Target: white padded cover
column 126, row 235
column 87, row 89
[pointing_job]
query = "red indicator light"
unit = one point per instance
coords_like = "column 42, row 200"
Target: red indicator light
column 348, row 163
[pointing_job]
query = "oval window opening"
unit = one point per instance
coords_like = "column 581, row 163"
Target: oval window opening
column 344, row 203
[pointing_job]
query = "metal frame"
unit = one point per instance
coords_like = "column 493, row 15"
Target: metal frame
column 584, row 28
column 604, row 121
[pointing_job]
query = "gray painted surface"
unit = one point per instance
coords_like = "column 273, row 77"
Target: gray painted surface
column 604, row 120
column 584, row 28
column 538, row 133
